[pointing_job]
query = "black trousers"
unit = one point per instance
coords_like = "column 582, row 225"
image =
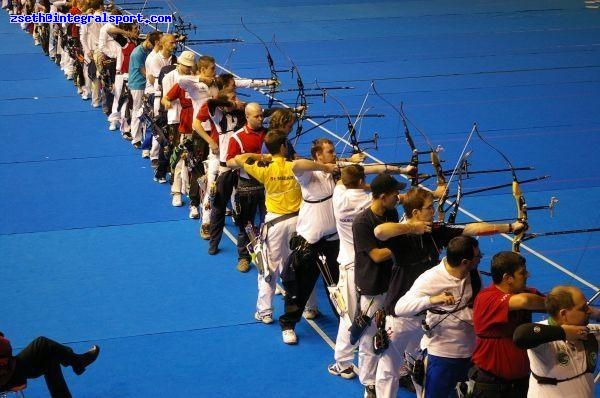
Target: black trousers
column 249, row 206
column 306, row 275
column 166, row 148
column 488, row 385
column 225, row 183
column 43, row 357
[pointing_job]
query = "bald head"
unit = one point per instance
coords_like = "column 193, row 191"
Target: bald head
column 254, row 115
column 567, row 305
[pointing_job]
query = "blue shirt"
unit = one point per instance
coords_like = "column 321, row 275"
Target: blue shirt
column 137, row 81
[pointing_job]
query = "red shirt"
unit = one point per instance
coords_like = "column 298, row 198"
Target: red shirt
column 187, row 111
column 252, row 141
column 73, row 28
column 127, row 50
column 204, row 115
column 494, row 325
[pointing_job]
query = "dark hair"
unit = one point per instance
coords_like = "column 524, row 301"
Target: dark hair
column 317, row 146
column 506, row 263
column 559, row 297
column 153, row 37
column 274, row 140
column 224, row 79
column 351, row 175
column 461, row 248
column 415, row 199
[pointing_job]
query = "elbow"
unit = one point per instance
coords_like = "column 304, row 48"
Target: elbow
column 380, row 234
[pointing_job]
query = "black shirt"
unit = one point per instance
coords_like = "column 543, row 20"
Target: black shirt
column 413, row 255
column 371, row 278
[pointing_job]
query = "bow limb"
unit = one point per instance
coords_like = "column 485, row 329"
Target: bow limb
column 517, row 194
column 272, row 69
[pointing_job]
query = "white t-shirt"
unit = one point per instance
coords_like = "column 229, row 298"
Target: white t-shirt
column 347, row 203
column 316, row 220
column 560, row 360
column 106, row 43
column 154, row 65
column 454, row 336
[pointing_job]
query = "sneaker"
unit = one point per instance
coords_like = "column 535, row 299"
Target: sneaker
column 112, row 126
column 347, row 373
column 126, row 136
column 146, row 153
column 212, row 250
column 176, row 201
column 160, row 180
column 289, row 336
column 205, row 231
column 194, row 212
column 311, row 313
column 79, row 90
column 243, row 265
column 137, row 144
column 266, row 319
column 96, row 105
column 370, row 392
column 85, row 96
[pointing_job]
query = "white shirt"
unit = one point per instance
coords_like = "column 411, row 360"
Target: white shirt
column 560, row 360
column 454, row 336
column 168, row 82
column 199, row 93
column 347, row 203
column 154, row 63
column 105, row 40
column 315, row 220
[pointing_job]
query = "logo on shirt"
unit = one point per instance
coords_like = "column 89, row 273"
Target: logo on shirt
column 562, row 358
column 537, row 329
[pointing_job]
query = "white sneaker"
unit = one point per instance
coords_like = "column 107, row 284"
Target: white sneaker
column 289, row 336
column 266, row 319
column 112, row 126
column 177, row 202
column 146, row 153
column 194, row 212
column 85, row 96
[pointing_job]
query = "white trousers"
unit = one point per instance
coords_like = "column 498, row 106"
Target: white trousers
column 367, row 359
column 277, row 250
column 406, row 336
column 344, row 351
column 212, row 171
column 136, row 111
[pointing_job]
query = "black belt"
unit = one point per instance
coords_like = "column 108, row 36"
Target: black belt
column 279, row 219
column 318, row 200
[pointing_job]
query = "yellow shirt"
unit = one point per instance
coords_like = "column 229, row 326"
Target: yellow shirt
column 283, row 192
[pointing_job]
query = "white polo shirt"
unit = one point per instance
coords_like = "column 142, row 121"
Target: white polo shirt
column 316, row 220
column 560, row 360
column 347, row 204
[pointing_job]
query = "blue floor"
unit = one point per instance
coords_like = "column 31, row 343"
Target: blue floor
column 91, row 249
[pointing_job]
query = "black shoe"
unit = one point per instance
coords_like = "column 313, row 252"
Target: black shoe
column 370, row 392
column 137, row 145
column 84, row 360
column 407, row 383
column 213, row 250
